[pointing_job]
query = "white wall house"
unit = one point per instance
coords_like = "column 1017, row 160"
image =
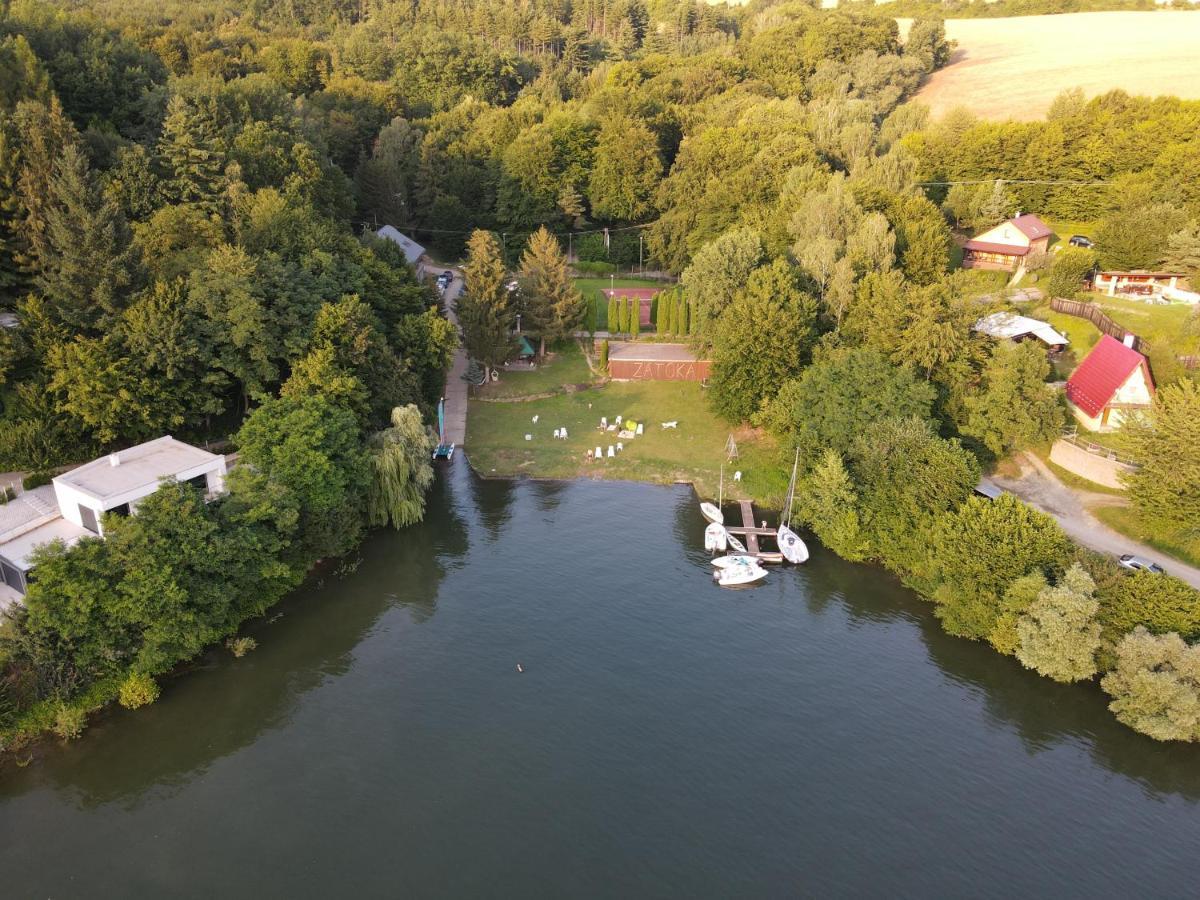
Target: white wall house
column 73, row 506
column 1112, row 382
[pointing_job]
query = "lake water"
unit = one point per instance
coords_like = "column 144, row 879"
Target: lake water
column 815, row 735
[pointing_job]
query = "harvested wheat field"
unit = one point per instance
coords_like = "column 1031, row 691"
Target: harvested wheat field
column 1013, row 68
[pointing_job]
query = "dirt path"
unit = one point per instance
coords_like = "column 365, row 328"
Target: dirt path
column 1040, row 487
column 455, row 391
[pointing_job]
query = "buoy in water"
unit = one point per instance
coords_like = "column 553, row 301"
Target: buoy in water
column 520, row 668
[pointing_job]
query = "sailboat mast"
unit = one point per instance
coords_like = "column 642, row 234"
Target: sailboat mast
column 792, row 489
column 721, row 488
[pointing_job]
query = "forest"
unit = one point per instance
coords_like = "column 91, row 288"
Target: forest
column 187, row 195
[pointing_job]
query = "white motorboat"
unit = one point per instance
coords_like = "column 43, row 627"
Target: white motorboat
column 726, row 562
column 735, row 576
column 794, row 550
column 712, row 513
column 715, row 538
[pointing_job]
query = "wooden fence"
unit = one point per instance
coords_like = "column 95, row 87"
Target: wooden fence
column 1099, row 318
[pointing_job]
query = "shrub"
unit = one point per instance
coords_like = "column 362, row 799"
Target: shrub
column 139, row 689
column 595, row 268
column 604, row 356
column 240, row 646
column 1068, row 271
column 635, row 317
column 613, row 321
column 1155, row 686
column 1159, row 603
column 36, row 480
column 69, row 722
column 1059, row 636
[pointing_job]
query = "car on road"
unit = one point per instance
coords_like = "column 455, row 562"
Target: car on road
column 1140, row 564
column 1079, row 240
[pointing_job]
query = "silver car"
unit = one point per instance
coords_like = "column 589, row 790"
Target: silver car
column 1140, row 564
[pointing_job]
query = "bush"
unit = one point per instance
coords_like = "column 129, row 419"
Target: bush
column 1159, row 603
column 139, row 689
column 69, row 722
column 239, row 647
column 1068, row 270
column 1156, row 686
column 595, row 268
column 36, row 480
column 604, row 356
column 1059, row 636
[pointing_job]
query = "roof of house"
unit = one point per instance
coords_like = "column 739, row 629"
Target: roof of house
column 27, row 511
column 140, row 466
column 1094, row 382
column 632, row 293
column 644, row 351
column 1010, row 325
column 1031, row 226
column 19, row 549
column 989, row 247
column 412, row 250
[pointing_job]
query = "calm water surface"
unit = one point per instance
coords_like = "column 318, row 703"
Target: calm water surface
column 816, row 735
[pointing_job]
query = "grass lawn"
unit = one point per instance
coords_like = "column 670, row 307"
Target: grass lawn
column 1163, row 325
column 1125, row 520
column 565, row 364
column 692, row 452
column 597, row 319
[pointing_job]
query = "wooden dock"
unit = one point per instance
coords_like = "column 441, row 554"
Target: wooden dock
column 748, row 528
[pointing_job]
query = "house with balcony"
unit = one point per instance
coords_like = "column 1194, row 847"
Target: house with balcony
column 73, row 505
column 1009, row 246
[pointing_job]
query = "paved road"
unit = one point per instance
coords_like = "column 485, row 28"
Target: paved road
column 1040, row 487
column 456, row 388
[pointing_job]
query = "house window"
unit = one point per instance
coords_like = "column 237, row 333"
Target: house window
column 88, row 517
column 200, row 482
column 122, row 510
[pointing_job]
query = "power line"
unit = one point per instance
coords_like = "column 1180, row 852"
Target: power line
column 1018, row 181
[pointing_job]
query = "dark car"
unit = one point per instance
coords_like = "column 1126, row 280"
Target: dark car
column 1140, row 564
column 1078, row 240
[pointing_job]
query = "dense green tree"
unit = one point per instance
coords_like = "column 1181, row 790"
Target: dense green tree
column 980, row 549
column 485, row 307
column 553, row 307
column 1160, row 603
column 1013, row 407
column 313, row 447
column 827, row 502
column 760, row 341
column 387, row 180
column 1166, row 486
column 841, row 393
column 1133, row 237
column 1155, row 686
column 401, row 470
column 718, row 271
column 87, row 266
column 1182, row 253
column 1068, row 270
column 626, row 171
column 1059, row 635
column 192, row 156
column 1018, row 597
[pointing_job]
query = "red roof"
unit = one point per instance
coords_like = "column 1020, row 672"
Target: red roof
column 1109, row 365
column 632, row 293
column 1031, row 226
column 988, row 247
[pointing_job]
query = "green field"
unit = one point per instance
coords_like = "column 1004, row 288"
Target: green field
column 692, row 452
column 564, row 364
column 1125, row 520
column 597, row 319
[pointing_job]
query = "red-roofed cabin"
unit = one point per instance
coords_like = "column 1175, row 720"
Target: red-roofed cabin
column 644, row 296
column 1008, row 246
column 1112, row 381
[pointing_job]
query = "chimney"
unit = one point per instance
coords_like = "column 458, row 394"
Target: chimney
column 114, row 459
column 1130, row 339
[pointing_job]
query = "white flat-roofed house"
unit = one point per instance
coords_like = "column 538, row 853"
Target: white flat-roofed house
column 73, row 505
column 118, row 481
column 1018, row 328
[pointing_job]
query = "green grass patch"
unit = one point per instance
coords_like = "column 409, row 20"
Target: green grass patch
column 1163, row 325
column 565, row 364
column 692, row 452
column 598, row 304
column 1127, row 521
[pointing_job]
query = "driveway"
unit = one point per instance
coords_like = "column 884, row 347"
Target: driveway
column 1040, row 488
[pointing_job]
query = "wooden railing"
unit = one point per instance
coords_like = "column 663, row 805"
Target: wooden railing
column 1099, row 318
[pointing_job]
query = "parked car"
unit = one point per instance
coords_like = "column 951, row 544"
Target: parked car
column 1140, row 564
column 1079, row 240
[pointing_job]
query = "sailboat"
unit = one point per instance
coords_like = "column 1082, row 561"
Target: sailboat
column 713, row 512
column 443, row 450
column 793, row 549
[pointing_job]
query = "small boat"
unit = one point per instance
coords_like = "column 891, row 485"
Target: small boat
column 793, row 549
column 735, row 576
column 734, row 544
column 726, row 562
column 715, row 538
column 442, row 450
column 710, row 512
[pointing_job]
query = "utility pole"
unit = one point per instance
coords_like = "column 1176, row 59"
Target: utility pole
column 641, row 268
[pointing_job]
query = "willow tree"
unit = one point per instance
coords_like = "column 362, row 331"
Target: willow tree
column 401, row 470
